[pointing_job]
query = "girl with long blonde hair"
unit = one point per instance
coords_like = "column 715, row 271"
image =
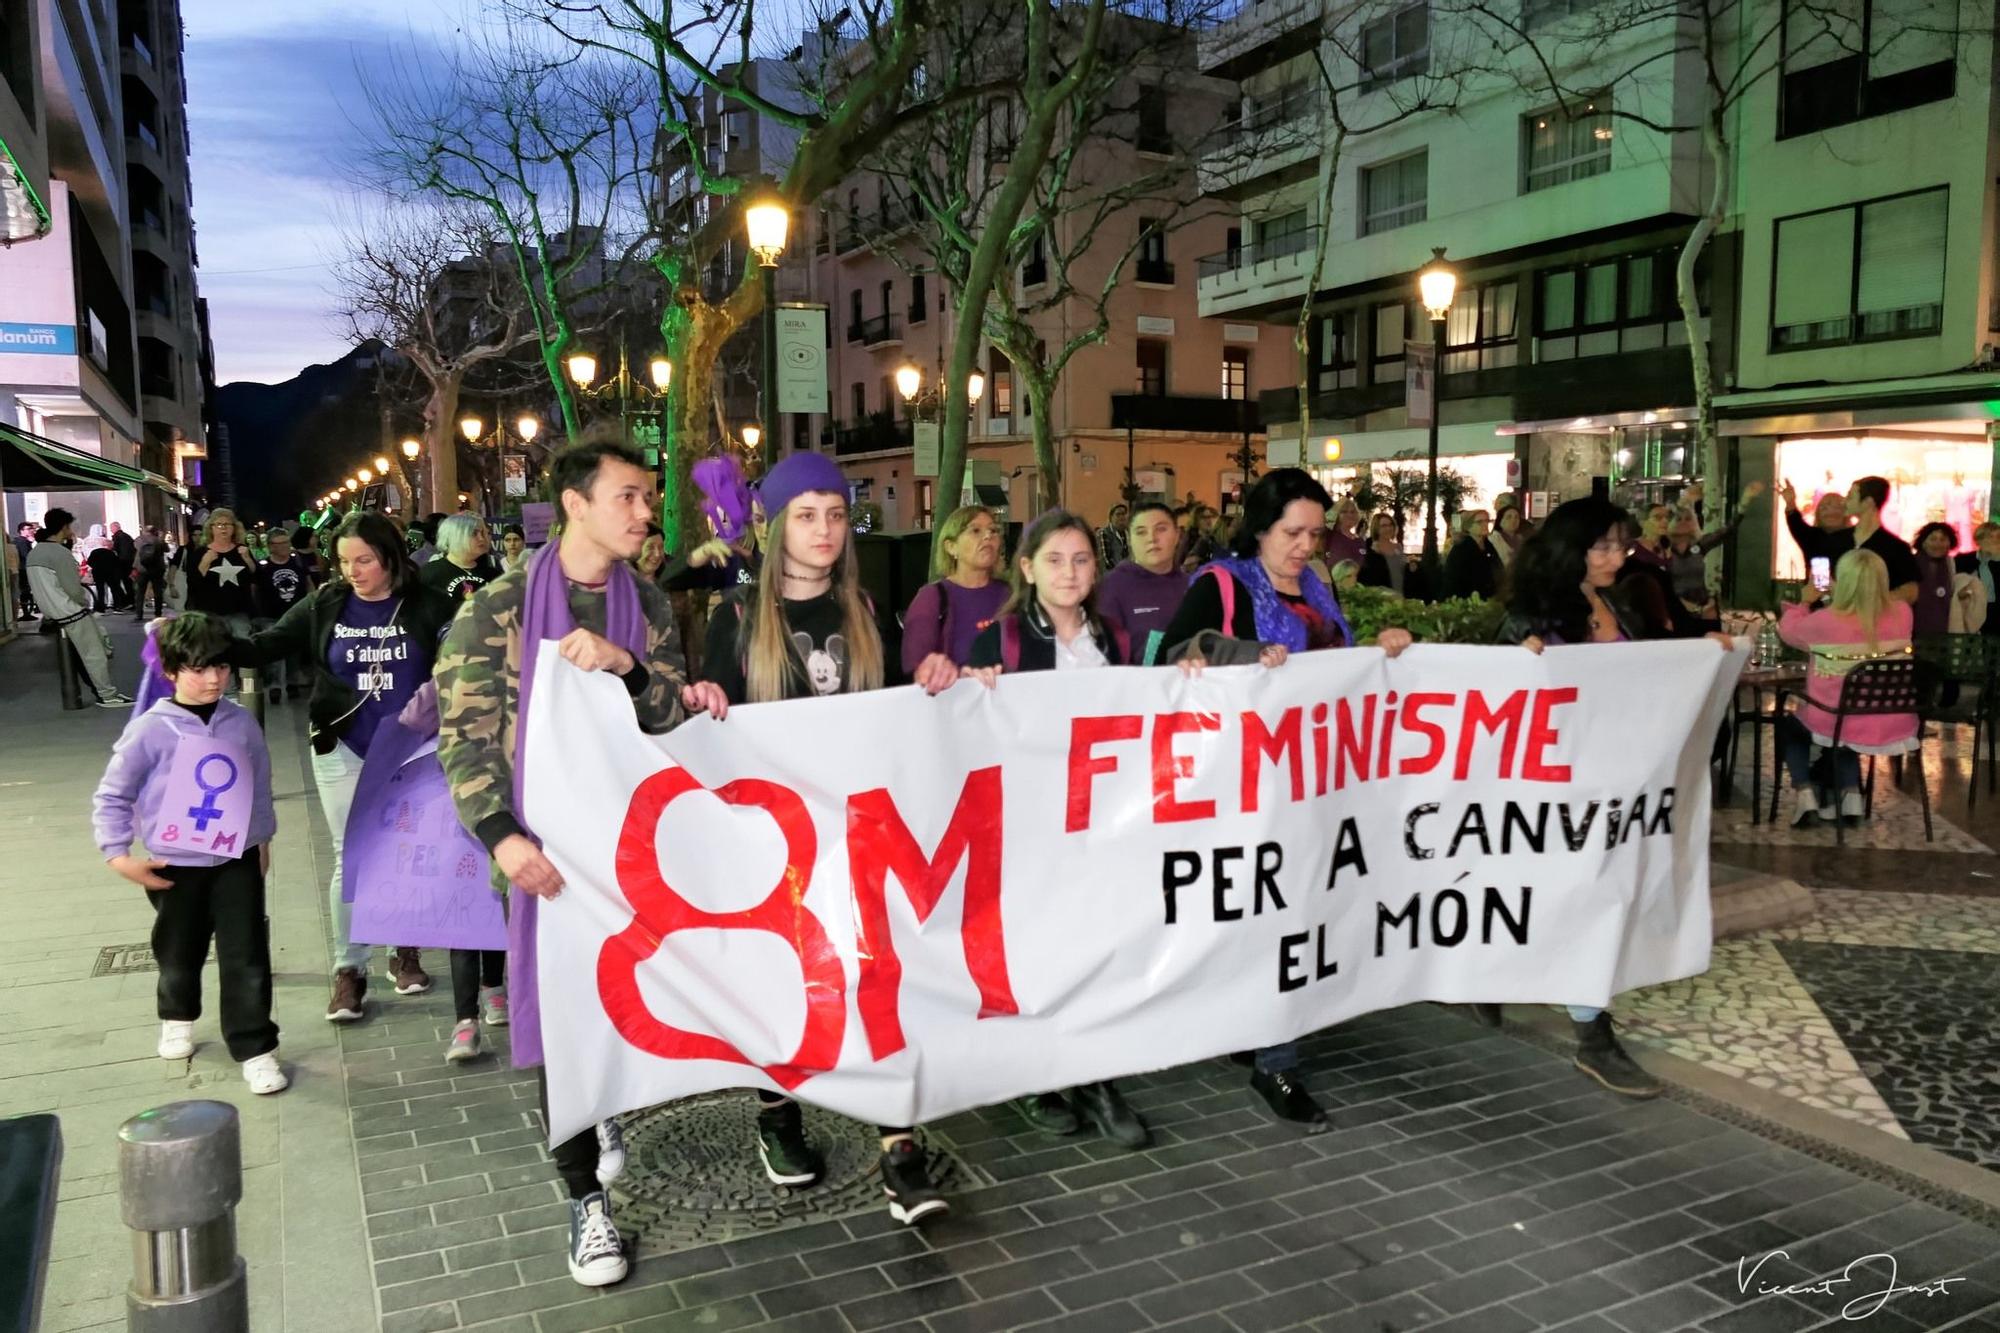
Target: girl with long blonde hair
column 1863, row 622
column 805, row 630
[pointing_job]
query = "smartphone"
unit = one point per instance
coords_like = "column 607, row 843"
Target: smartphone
column 1822, row 573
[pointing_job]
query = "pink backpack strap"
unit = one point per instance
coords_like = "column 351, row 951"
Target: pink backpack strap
column 1010, row 643
column 1226, row 585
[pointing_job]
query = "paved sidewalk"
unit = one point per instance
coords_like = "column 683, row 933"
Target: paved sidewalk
column 77, row 1033
column 1473, row 1182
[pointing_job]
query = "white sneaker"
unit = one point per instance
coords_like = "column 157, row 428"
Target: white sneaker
column 1805, row 808
column 610, row 1151
column 264, row 1074
column 176, row 1040
column 464, row 1043
column 1852, row 806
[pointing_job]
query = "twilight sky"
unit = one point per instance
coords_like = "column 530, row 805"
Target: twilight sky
column 275, row 113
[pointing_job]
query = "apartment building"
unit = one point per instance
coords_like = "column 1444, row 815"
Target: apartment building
column 101, row 334
column 1851, row 294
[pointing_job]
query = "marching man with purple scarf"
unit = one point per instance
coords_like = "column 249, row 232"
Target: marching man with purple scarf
column 1260, row 605
column 580, row 591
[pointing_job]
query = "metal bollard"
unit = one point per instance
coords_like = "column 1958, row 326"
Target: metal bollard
column 66, row 673
column 180, row 1176
column 250, row 692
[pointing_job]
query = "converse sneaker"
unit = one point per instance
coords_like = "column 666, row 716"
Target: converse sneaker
column 596, row 1254
column 1805, row 807
column 264, row 1074
column 176, row 1039
column 493, row 1007
column 907, row 1181
column 464, row 1044
column 406, row 969
column 610, row 1152
column 350, row 996
column 782, row 1147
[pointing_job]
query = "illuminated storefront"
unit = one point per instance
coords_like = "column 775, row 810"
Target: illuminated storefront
column 1343, row 463
column 1933, row 478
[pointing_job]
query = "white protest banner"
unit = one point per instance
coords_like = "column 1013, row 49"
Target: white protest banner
column 900, row 907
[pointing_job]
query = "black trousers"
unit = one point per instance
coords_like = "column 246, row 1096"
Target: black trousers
column 156, row 579
column 576, row 1158
column 471, row 969
column 224, row 903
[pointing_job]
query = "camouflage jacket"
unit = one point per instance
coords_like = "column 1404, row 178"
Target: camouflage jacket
column 479, row 678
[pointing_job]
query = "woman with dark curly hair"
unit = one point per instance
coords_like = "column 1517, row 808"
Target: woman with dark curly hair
column 1934, row 546
column 1563, row 589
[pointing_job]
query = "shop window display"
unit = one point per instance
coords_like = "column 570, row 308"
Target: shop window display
column 1942, row 480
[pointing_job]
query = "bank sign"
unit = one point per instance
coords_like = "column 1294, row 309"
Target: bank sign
column 43, row 339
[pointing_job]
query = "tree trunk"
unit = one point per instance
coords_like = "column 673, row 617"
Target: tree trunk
column 1048, row 458
column 441, row 441
column 1721, row 159
column 1302, row 331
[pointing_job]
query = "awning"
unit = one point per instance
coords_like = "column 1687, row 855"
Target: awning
column 1461, row 439
column 30, row 462
column 165, row 485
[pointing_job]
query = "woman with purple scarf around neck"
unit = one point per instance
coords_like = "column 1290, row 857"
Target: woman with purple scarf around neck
column 581, row 592
column 1265, row 595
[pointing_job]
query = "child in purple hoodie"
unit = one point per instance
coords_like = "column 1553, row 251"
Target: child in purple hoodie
column 190, row 780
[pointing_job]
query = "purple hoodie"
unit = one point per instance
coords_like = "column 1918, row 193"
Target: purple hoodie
column 134, row 786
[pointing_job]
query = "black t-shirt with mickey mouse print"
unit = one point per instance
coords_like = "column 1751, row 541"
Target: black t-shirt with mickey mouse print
column 820, row 652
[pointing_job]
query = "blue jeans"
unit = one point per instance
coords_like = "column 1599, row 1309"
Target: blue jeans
column 1795, row 744
column 1280, row 1059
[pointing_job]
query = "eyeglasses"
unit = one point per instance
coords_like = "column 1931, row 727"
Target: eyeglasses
column 1609, row 546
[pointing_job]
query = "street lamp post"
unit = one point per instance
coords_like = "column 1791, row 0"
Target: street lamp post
column 767, row 222
column 1437, row 285
column 411, row 448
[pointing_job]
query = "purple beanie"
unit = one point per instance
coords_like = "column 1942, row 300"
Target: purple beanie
column 796, row 474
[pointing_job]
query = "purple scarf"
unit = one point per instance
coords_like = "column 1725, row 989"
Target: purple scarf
column 545, row 615
column 1276, row 624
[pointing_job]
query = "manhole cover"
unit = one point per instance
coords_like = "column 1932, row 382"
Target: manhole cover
column 693, row 1177
column 115, row 960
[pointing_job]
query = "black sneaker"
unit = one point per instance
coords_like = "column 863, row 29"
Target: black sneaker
column 1104, row 1107
column 1049, row 1112
column 1599, row 1055
column 596, row 1254
column 1288, row 1099
column 781, row 1145
column 907, row 1182
column 1487, row 1014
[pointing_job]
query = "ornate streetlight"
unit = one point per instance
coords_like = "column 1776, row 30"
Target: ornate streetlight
column 1437, row 286
column 767, row 222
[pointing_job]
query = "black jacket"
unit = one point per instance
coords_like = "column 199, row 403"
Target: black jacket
column 307, row 629
column 1038, row 642
column 1518, row 626
column 1472, row 569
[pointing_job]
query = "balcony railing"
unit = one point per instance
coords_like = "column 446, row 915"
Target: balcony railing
column 1293, row 102
column 158, row 386
column 874, row 331
column 1254, row 253
column 156, row 303
column 143, row 132
column 863, row 228
column 1156, row 271
column 138, row 47
column 875, row 435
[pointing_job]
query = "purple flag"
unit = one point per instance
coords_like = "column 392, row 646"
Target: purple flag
column 413, row 873
column 153, row 683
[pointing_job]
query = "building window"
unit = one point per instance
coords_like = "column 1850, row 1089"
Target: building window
column 1558, row 147
column 1000, row 383
column 888, row 296
column 890, row 398
column 1336, row 357
column 1395, row 46
column 1236, row 372
column 1152, row 367
column 1480, row 333
column 1538, row 14
column 1152, row 135
column 860, row 403
column 1621, row 304
column 1035, row 269
column 1395, row 194
column 919, row 299
column 1862, row 58
column 1864, row 273
column 1152, row 265
column 1392, row 326
column 854, row 316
